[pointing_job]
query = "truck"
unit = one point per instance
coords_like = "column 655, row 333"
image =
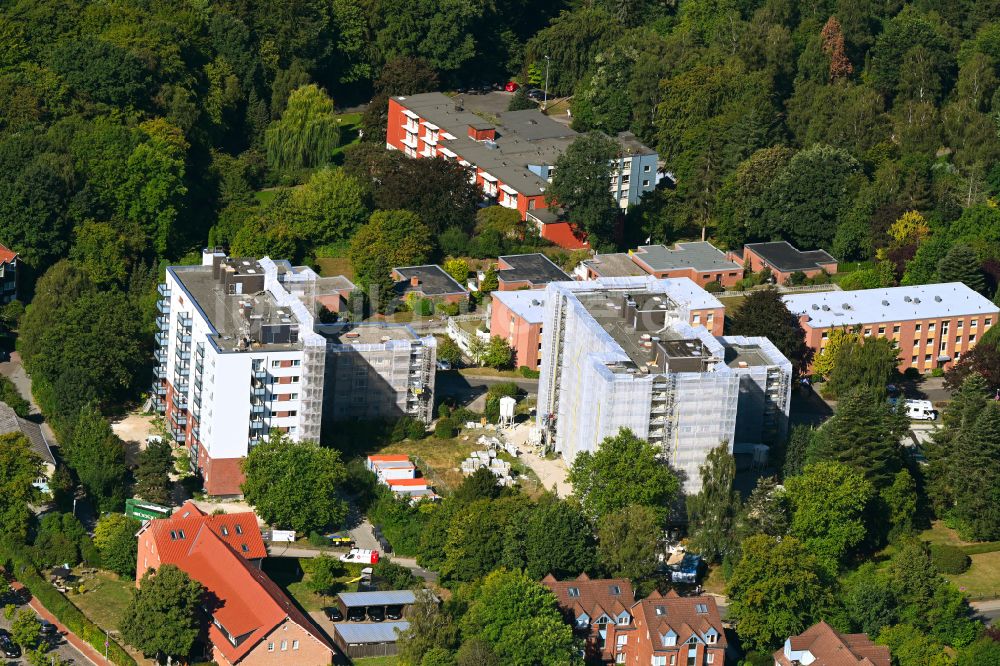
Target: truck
column 361, row 556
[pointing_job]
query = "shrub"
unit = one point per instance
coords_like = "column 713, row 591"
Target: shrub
column 318, row 540
column 395, row 576
column 714, row 287
column 445, row 429
column 528, row 373
column 407, row 428
column 950, row 559
column 416, row 429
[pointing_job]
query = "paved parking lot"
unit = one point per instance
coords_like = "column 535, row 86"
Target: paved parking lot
column 63, row 650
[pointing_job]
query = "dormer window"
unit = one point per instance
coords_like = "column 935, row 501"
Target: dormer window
column 670, row 640
column 701, row 609
column 711, row 637
column 582, row 622
column 604, row 619
column 623, row 619
column 660, row 610
column 615, row 590
column 693, row 640
column 573, row 592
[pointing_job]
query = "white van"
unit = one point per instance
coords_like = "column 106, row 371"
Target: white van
column 920, row 410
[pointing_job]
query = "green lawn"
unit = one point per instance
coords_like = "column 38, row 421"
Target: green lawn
column 105, row 599
column 330, row 266
column 349, row 126
column 290, row 574
column 377, row 661
column 265, row 197
column 982, row 580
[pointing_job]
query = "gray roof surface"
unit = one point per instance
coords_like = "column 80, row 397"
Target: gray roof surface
column 385, row 598
column 699, row 255
column 434, row 281
column 618, row 264
column 365, row 333
column 534, row 268
column 864, row 306
column 375, row 632
column 523, row 138
column 785, row 257
column 11, row 422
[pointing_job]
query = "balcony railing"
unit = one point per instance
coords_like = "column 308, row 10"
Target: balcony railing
column 163, row 322
column 159, row 389
column 182, row 355
column 160, row 372
column 178, row 435
column 163, row 289
column 260, row 373
column 161, row 339
column 160, row 355
column 256, row 409
column 180, row 420
column 163, row 305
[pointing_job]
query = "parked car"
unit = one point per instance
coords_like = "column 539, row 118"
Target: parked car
column 444, row 365
column 48, row 629
column 334, row 614
column 511, row 86
column 536, row 94
column 394, row 612
column 356, row 614
column 376, row 613
column 7, row 645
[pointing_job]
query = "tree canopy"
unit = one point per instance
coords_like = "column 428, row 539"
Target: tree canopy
column 162, row 617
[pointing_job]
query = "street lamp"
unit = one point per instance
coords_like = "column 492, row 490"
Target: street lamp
column 545, row 95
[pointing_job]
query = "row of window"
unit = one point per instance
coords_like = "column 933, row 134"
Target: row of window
column 931, row 327
column 284, row 646
column 662, row 660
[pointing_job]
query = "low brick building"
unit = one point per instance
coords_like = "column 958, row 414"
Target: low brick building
column 933, row 325
column 430, row 281
column 248, row 619
column 527, row 271
column 821, row 644
column 700, row 262
column 516, row 316
column 784, row 259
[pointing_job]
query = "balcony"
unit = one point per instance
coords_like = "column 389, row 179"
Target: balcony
column 163, row 322
column 411, row 126
column 183, row 339
column 161, row 339
column 160, row 355
column 199, row 350
column 157, row 403
column 256, row 409
column 159, row 389
column 163, row 305
column 256, row 425
column 163, row 289
column 258, row 392
column 259, row 374
column 160, row 372
column 199, row 366
column 178, row 435
column 410, row 141
column 184, row 319
column 196, row 432
column 180, row 420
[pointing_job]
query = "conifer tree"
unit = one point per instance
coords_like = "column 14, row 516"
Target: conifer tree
column 962, row 265
column 713, row 511
column 975, row 464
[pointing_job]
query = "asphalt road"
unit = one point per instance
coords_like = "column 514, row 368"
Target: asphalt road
column 988, row 611
column 63, row 650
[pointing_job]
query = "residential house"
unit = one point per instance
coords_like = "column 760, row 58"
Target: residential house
column 700, row 262
column 671, row 630
column 39, row 443
column 430, row 282
column 248, row 619
column 822, row 645
column 527, row 271
column 599, row 610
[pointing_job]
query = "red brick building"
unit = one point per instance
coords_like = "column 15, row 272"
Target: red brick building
column 662, row 630
column 701, row 262
column 599, row 611
column 429, row 281
column 527, row 271
column 821, row 645
column 249, row 619
column 516, row 316
column 784, row 259
column 933, row 325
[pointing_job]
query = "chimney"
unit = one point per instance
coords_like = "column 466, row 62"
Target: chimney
column 414, row 281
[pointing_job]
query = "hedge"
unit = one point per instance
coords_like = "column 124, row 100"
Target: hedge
column 949, row 559
column 980, row 548
column 18, row 562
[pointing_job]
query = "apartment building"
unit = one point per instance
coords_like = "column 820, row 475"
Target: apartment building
column 765, row 388
column 247, row 618
column 512, row 160
column 516, row 316
column 822, row 644
column 378, row 371
column 622, row 353
column 699, row 261
column 933, row 325
column 238, row 357
column 8, row 274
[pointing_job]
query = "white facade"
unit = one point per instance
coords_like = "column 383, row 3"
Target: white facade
column 619, row 353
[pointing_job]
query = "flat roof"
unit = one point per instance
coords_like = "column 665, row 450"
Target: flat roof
column 649, row 342
column 383, row 598
column 434, row 281
column 533, row 268
column 737, row 354
column 526, row 138
column 698, row 255
column 617, row 264
column 366, row 333
column 227, row 312
column 370, row 632
column 785, row 257
column 528, row 304
column 864, row 306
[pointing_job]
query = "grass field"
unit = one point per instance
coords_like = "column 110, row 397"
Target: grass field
column 105, row 600
column 291, row 575
column 349, row 125
column 439, row 460
column 982, row 580
column 377, row 661
column 330, row 266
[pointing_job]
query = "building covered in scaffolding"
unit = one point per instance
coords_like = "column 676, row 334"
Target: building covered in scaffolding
column 621, row 353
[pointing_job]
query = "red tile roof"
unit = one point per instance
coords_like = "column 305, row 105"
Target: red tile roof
column 830, row 648
column 247, row 603
column 6, row 254
column 407, row 482
column 594, row 597
column 683, row 615
column 389, row 458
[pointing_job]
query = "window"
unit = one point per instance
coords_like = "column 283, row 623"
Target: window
column 615, row 590
column 927, row 358
column 881, row 330
column 645, row 169
column 620, row 658
column 244, row 548
column 917, row 328
column 826, row 334
column 225, row 531
column 293, row 413
column 712, row 638
column 622, row 639
column 645, row 182
column 944, row 345
column 913, row 360
column 623, row 619
column 573, row 591
column 930, row 327
column 670, row 640
column 958, row 340
column 295, row 645
column 604, row 619
column 868, row 332
column 284, row 645
column 660, row 610
column 673, row 659
column 696, row 319
column 239, row 529
column 895, row 329
column 972, row 339
column 295, row 379
column 916, row 343
column 930, row 342
column 709, row 658
column 959, row 324
column 988, row 321
column 709, row 318
column 296, row 363
column 275, row 364
column 701, row 609
column 270, row 647
column 659, row 660
column 974, row 323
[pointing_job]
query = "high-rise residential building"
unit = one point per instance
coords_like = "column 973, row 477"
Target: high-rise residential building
column 621, row 353
column 240, row 355
column 933, row 325
column 379, row 371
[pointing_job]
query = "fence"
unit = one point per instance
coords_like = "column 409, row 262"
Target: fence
column 782, row 290
column 19, row 565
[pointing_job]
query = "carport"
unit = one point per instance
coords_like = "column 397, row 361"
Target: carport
column 362, row 601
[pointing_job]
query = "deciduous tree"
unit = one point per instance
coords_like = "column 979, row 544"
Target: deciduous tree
column 713, row 511
column 580, row 184
column 19, row 468
column 115, row 538
column 558, row 539
column 295, row 484
column 307, row 132
column 764, row 313
column 162, row 617
column 627, row 542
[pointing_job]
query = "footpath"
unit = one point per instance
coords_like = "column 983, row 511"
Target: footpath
column 82, row 646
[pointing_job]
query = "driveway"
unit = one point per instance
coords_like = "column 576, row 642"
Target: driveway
column 14, row 371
